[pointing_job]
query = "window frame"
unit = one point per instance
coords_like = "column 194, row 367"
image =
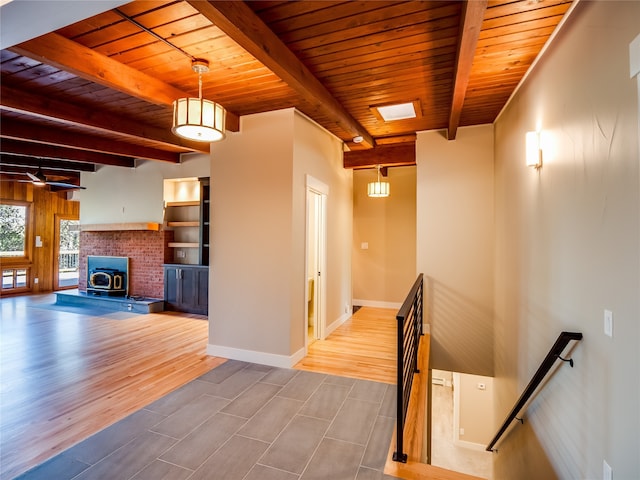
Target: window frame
column 15, row 288
column 23, row 261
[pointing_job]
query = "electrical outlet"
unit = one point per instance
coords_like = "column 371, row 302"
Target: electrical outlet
column 607, row 471
column 35, row 281
column 608, row 323
column 180, row 254
column 461, row 431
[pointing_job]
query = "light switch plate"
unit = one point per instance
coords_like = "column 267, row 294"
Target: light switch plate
column 608, row 323
column 607, row 471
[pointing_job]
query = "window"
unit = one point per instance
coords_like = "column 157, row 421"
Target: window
column 14, row 230
column 15, row 278
column 15, row 245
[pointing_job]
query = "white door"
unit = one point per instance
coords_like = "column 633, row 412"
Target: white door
column 316, row 260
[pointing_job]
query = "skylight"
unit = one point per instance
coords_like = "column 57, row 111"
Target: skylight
column 398, row 111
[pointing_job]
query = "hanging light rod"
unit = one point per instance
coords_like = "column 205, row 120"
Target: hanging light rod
column 193, row 118
column 154, row 34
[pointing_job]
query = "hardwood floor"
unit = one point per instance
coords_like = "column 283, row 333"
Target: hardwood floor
column 68, row 375
column 362, row 347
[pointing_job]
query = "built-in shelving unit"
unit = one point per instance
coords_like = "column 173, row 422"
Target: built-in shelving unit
column 205, row 203
column 187, row 213
column 186, row 278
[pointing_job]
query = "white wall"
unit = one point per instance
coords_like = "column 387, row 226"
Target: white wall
column 129, row 195
column 256, row 294
column 455, row 228
column 567, row 247
column 384, row 272
column 318, row 153
column 473, row 423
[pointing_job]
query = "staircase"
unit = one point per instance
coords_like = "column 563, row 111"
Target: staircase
column 415, row 425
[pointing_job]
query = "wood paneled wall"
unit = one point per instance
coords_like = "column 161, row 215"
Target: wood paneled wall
column 45, row 206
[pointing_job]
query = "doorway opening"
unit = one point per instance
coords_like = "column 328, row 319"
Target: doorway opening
column 315, row 260
column 66, row 252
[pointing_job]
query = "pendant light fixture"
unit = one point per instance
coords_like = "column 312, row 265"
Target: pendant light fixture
column 196, row 118
column 378, row 189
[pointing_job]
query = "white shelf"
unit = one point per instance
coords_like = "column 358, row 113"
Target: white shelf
column 194, row 203
column 184, row 224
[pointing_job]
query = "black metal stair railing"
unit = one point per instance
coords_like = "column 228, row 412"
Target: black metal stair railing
column 409, row 319
column 554, row 354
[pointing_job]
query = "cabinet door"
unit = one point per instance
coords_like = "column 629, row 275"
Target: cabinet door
column 202, row 293
column 171, row 288
column 188, row 288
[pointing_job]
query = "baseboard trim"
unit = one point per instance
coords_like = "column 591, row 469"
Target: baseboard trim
column 376, row 304
column 470, row 445
column 330, row 328
column 252, row 356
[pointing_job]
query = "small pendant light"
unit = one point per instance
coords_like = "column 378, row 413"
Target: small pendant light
column 378, row 189
column 196, row 118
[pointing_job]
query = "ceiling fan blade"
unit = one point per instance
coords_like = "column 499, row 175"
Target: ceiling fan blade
column 33, row 177
column 66, row 185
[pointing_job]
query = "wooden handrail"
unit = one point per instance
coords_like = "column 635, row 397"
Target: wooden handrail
column 409, row 319
column 563, row 339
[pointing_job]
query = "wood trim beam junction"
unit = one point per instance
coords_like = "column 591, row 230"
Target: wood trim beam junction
column 243, row 26
column 391, row 156
column 470, row 25
column 51, row 151
column 22, row 102
column 55, row 50
column 19, row 130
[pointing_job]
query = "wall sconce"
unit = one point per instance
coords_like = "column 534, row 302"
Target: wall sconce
column 534, row 150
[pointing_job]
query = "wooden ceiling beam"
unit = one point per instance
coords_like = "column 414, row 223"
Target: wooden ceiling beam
column 387, row 156
column 55, row 50
column 49, row 151
column 239, row 22
column 32, row 104
column 11, row 172
column 19, row 130
column 13, row 163
column 470, row 25
column 396, row 139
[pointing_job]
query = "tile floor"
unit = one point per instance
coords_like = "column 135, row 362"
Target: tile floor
column 247, row 422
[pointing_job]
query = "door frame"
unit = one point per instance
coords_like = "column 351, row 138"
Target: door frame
column 316, row 189
column 56, row 249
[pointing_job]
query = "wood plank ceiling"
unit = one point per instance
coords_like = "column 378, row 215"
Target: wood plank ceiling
column 99, row 91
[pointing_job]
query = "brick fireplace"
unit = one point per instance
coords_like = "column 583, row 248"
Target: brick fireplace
column 147, row 252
